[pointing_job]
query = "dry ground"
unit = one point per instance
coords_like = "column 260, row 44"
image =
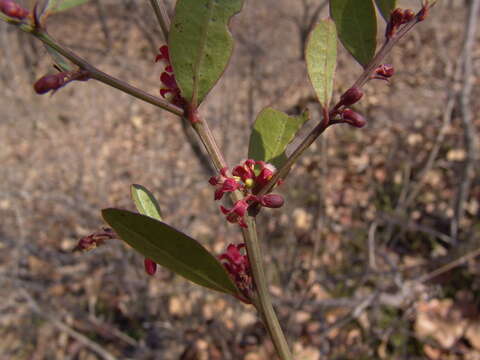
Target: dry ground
column 368, row 214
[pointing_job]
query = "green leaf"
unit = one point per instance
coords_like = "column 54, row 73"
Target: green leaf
column 55, row 6
column 386, row 7
column 356, row 22
column 58, row 59
column 200, row 44
column 321, row 58
column 170, row 248
column 272, row 132
column 145, row 202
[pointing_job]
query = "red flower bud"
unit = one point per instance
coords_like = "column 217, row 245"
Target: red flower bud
column 12, row 9
column 49, row 82
column 396, row 17
column 408, row 15
column 272, row 201
column 351, row 96
column 150, row 266
column 355, row 119
column 385, row 71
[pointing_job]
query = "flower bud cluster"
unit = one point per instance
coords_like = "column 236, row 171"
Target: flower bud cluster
column 237, row 265
column 249, row 178
column 398, row 18
column 170, row 91
column 383, row 72
column 12, row 9
column 348, row 116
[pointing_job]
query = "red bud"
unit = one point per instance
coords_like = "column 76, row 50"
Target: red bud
column 272, row 201
column 49, row 82
column 351, row 96
column 150, row 266
column 355, row 119
column 408, row 15
column 12, row 9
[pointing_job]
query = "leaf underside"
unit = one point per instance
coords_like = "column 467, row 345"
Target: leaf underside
column 170, row 248
column 200, row 44
column 321, row 58
column 145, row 202
column 272, row 132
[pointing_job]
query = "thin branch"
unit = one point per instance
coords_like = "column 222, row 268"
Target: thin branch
column 469, row 131
column 324, row 123
column 104, row 354
column 94, row 73
column 162, row 16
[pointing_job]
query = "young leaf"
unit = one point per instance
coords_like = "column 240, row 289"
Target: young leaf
column 356, row 22
column 386, row 7
column 145, row 202
column 55, row 6
column 59, row 60
column 321, row 58
column 272, row 132
column 200, row 44
column 170, row 248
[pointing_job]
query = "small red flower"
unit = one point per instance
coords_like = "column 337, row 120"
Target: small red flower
column 223, row 184
column 266, row 173
column 238, row 266
column 95, row 239
column 170, row 90
column 237, row 213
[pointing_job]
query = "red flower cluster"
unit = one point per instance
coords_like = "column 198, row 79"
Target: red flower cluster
column 96, row 239
column 398, row 18
column 170, row 91
column 12, row 9
column 248, row 178
column 238, row 267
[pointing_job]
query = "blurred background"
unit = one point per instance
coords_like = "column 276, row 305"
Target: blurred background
column 372, row 257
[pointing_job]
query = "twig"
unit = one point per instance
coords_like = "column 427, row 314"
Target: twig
column 162, row 16
column 67, row 329
column 461, row 260
column 469, row 132
column 324, row 122
column 93, row 72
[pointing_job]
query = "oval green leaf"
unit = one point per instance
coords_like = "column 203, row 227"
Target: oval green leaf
column 386, row 7
column 54, row 6
column 59, row 60
column 170, row 248
column 200, row 44
column 272, row 132
column 356, row 22
column 321, row 58
column 145, row 202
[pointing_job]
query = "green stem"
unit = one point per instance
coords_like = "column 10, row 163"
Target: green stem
column 263, row 300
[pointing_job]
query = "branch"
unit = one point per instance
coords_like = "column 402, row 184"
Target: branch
column 469, row 131
column 162, row 16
